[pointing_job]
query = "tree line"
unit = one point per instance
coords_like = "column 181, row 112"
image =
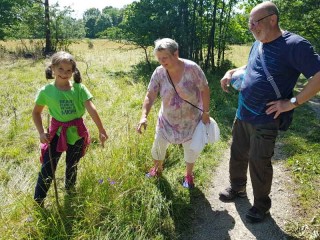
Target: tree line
column 203, row 28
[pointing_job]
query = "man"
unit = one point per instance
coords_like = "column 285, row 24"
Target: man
column 260, row 106
column 185, row 98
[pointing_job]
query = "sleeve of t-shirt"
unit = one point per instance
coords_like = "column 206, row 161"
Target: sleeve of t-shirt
column 40, row 98
column 154, row 84
column 200, row 77
column 85, row 93
column 306, row 60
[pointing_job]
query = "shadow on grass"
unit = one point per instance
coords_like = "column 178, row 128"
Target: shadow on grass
column 60, row 219
column 142, row 71
column 68, row 213
column 210, row 224
column 180, row 210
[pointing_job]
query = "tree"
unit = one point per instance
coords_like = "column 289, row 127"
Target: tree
column 9, row 14
column 48, row 47
column 144, row 22
column 96, row 22
column 301, row 17
column 200, row 27
column 115, row 14
column 64, row 28
column 31, row 25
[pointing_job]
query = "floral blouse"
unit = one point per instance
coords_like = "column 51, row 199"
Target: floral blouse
column 177, row 119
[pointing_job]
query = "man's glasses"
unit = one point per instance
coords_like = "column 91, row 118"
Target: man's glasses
column 256, row 23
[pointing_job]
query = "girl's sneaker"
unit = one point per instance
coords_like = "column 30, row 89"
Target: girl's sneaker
column 153, row 172
column 188, row 181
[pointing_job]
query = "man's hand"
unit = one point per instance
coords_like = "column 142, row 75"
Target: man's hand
column 225, row 81
column 279, row 106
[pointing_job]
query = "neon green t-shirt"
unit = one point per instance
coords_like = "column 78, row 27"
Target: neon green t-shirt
column 65, row 106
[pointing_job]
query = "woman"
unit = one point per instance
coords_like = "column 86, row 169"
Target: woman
column 185, row 96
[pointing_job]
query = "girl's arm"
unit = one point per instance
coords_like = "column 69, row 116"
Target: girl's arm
column 37, row 119
column 91, row 108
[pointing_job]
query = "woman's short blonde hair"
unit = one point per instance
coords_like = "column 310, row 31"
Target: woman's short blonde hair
column 166, row 44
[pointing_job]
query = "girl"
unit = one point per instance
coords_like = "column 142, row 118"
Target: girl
column 66, row 101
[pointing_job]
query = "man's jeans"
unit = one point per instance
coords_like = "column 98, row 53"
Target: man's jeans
column 253, row 145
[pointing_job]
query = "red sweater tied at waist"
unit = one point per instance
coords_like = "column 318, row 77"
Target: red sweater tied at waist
column 62, row 141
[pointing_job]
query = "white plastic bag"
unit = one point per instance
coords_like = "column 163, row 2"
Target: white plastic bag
column 205, row 134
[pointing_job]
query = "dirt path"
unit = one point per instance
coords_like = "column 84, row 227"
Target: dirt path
column 215, row 219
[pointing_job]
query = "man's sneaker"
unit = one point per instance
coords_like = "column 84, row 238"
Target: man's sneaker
column 254, row 215
column 153, row 172
column 230, row 194
column 188, row 181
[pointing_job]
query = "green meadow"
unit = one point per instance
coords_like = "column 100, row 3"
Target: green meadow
column 113, row 198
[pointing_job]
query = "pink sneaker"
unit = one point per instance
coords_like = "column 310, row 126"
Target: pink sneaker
column 153, row 172
column 188, row 181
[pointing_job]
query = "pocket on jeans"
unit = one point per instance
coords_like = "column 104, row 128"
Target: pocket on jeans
column 264, row 141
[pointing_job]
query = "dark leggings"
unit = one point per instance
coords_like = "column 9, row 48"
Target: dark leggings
column 73, row 155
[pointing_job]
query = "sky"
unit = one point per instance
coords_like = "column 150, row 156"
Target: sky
column 80, row 6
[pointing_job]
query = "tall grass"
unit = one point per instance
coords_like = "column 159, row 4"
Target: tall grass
column 113, row 198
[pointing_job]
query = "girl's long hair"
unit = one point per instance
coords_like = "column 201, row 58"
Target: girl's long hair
column 59, row 57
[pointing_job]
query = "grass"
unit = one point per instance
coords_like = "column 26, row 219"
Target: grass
column 301, row 145
column 114, row 200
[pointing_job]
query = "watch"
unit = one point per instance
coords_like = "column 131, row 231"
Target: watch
column 294, row 101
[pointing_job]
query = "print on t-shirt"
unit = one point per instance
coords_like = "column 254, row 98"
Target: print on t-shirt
column 67, row 107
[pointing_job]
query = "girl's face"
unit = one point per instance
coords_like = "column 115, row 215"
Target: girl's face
column 63, row 71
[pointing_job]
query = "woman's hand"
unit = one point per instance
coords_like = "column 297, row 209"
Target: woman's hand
column 142, row 124
column 205, row 117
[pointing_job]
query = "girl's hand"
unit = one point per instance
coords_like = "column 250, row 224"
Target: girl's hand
column 103, row 136
column 45, row 138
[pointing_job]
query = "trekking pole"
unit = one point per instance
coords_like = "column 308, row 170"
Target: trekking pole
column 52, row 168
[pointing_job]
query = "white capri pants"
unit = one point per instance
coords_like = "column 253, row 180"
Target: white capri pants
column 160, row 146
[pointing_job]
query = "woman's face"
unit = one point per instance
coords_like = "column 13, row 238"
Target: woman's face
column 166, row 59
column 63, row 71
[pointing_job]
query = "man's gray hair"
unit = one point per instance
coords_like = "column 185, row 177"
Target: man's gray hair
column 166, row 44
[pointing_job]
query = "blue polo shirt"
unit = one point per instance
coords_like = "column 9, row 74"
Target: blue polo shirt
column 286, row 58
